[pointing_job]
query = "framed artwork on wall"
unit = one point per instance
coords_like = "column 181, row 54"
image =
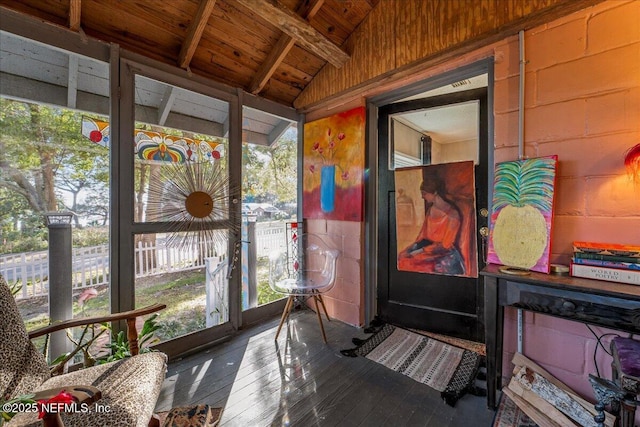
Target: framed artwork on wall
column 334, row 167
column 436, row 219
column 522, row 213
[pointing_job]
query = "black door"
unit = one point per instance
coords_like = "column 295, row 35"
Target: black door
column 446, row 304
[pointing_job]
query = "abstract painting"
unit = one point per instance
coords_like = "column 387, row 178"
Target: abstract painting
column 436, row 219
column 334, row 167
column 522, row 212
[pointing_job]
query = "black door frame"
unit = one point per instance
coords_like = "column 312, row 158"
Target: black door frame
column 485, row 66
column 459, row 317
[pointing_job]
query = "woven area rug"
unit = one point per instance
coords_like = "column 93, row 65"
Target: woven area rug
column 458, row 342
column 509, row 415
column 449, row 369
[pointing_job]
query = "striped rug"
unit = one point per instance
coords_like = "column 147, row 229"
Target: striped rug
column 449, row 369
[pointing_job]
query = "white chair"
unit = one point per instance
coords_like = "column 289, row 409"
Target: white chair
column 306, row 268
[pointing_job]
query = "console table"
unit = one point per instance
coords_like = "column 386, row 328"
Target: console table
column 608, row 304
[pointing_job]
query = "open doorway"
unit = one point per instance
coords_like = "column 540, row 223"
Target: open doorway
column 440, row 128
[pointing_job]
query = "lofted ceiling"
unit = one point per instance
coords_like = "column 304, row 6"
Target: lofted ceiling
column 271, row 48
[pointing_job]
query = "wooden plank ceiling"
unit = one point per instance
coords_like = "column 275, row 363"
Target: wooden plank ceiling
column 272, row 48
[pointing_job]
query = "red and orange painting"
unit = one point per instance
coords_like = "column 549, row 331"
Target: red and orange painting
column 436, row 219
column 334, row 167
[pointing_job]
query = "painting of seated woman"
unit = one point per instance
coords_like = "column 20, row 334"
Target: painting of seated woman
column 437, row 235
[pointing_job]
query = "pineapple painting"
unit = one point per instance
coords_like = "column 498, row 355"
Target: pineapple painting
column 522, row 210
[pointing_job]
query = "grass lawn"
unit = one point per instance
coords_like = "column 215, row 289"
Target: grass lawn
column 183, row 292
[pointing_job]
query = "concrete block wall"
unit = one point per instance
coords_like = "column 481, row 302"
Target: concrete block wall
column 345, row 301
column 582, row 102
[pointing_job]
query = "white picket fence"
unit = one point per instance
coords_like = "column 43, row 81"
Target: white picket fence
column 90, row 265
column 270, row 237
column 153, row 259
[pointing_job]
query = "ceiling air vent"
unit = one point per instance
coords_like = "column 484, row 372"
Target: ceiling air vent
column 461, row 83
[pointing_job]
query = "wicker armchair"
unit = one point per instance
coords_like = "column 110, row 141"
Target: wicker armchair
column 124, row 391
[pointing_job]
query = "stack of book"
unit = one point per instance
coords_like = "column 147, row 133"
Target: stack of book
column 606, row 261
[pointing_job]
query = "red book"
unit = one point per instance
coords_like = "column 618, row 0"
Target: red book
column 607, row 248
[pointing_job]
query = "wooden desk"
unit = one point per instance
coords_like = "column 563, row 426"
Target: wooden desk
column 608, row 304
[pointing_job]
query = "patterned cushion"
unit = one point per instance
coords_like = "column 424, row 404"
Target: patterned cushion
column 22, row 366
column 130, row 389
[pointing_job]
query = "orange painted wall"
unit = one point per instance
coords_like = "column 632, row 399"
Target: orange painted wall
column 582, row 102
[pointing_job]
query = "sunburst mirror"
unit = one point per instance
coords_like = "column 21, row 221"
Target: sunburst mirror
column 193, row 197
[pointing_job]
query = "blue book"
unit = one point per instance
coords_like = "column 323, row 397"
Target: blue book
column 606, row 257
column 605, row 263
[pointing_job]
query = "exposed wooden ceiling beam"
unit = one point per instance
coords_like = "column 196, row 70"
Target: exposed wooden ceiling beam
column 196, row 28
column 74, row 14
column 308, row 9
column 305, row 35
column 269, row 66
column 281, row 48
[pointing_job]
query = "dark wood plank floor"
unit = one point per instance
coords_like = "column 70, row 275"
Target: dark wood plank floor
column 300, row 381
